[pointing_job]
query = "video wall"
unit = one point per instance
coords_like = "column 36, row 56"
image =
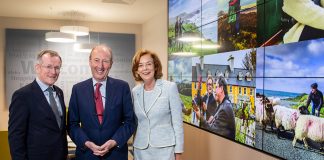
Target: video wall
column 259, row 63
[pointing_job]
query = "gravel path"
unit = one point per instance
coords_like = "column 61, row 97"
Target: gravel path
column 282, row 147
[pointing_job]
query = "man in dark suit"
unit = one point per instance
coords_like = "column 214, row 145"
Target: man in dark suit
column 223, row 121
column 101, row 116
column 37, row 129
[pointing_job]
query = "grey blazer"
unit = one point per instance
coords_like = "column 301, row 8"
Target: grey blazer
column 161, row 125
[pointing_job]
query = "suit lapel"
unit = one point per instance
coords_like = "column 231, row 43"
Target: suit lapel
column 89, row 93
column 61, row 98
column 139, row 95
column 156, row 94
column 109, row 97
column 40, row 97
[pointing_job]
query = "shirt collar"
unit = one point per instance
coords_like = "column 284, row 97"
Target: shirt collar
column 42, row 85
column 102, row 82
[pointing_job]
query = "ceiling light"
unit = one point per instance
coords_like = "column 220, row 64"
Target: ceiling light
column 190, row 39
column 76, row 30
column 206, row 46
column 184, row 54
column 83, row 47
column 60, row 37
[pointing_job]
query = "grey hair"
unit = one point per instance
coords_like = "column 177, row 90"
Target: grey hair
column 47, row 51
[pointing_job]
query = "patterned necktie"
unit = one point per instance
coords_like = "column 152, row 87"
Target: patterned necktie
column 54, row 106
column 98, row 101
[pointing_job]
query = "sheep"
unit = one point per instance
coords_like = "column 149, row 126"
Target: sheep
column 303, row 110
column 311, row 127
column 258, row 109
column 285, row 118
column 264, row 111
column 274, row 101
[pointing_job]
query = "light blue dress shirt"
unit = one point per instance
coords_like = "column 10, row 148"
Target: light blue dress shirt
column 44, row 87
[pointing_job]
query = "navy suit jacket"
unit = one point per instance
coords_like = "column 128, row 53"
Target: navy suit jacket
column 118, row 119
column 33, row 130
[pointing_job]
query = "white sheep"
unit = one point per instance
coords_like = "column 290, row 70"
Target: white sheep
column 274, row 100
column 258, row 109
column 285, row 117
column 311, row 127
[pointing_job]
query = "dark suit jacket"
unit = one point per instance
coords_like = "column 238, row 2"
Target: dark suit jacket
column 33, row 131
column 224, row 121
column 211, row 105
column 118, row 119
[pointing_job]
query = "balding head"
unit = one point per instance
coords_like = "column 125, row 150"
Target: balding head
column 102, row 48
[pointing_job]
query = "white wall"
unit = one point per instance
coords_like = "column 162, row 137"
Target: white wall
column 155, row 37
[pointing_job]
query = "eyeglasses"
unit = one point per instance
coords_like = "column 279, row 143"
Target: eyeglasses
column 210, row 84
column 145, row 65
column 49, row 67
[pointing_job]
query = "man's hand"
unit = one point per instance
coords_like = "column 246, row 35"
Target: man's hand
column 204, row 106
column 211, row 118
column 107, row 146
column 197, row 111
column 95, row 149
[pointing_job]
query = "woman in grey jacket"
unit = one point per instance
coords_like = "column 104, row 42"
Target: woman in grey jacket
column 157, row 107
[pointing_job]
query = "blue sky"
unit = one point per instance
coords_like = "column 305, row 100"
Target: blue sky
column 177, row 7
column 294, row 85
column 178, row 66
column 221, row 58
column 302, row 59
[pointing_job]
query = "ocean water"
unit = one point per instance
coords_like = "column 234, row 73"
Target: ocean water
column 279, row 94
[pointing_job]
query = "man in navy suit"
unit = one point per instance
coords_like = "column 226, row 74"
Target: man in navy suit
column 101, row 131
column 37, row 129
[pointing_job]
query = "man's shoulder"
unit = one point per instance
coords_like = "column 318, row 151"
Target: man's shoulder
column 227, row 105
column 117, row 81
column 25, row 89
column 82, row 83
